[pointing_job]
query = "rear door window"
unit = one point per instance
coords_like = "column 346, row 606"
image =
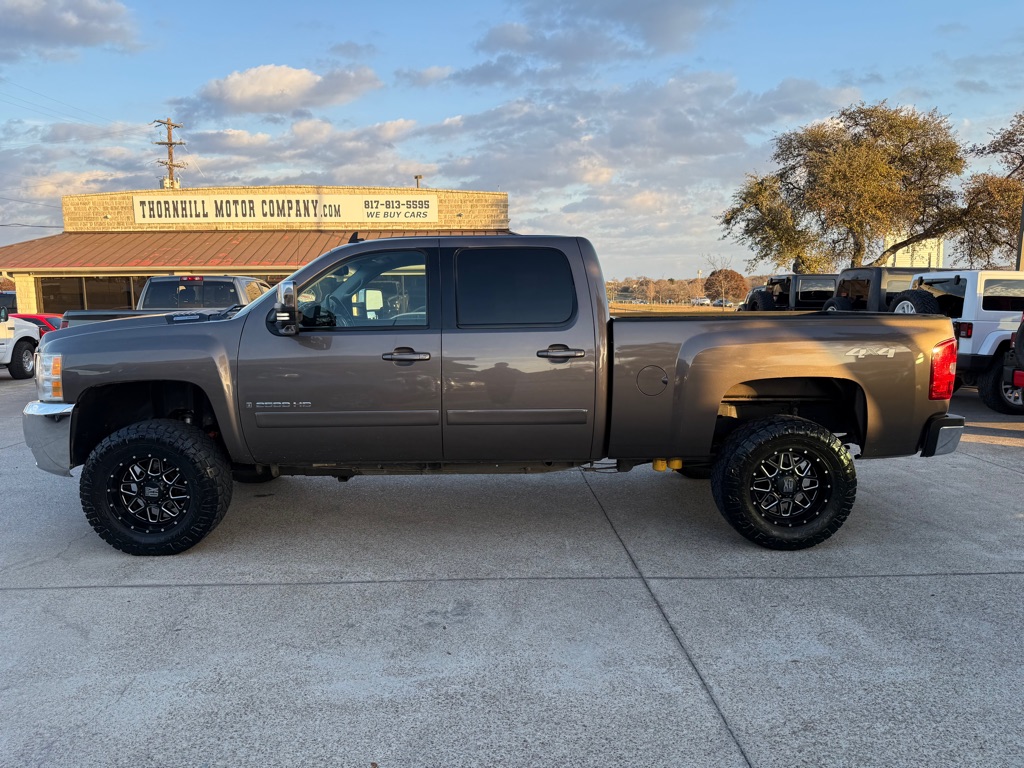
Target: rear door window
column 513, row 286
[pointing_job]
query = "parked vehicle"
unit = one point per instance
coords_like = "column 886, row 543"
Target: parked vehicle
column 986, row 307
column 1013, row 372
column 44, row 321
column 171, row 293
column 701, row 301
column 793, row 292
column 18, row 341
column 722, row 303
column 481, row 354
column 869, row 289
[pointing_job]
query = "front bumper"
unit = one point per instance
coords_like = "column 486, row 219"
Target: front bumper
column 942, row 434
column 47, row 428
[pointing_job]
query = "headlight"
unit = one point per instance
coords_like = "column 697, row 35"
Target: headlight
column 49, row 377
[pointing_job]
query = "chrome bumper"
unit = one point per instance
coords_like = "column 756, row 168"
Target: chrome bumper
column 942, row 435
column 47, row 428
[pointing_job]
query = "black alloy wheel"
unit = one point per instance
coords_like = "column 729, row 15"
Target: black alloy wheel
column 153, row 492
column 784, row 482
column 156, row 487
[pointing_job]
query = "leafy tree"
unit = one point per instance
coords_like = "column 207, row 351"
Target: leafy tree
column 845, row 184
column 725, row 284
column 993, row 204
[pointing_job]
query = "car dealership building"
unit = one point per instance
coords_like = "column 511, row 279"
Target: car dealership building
column 112, row 242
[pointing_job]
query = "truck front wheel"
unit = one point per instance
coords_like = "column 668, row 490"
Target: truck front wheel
column 784, row 482
column 22, row 364
column 156, row 487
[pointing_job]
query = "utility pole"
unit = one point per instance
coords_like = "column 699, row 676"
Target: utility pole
column 1020, row 239
column 170, row 182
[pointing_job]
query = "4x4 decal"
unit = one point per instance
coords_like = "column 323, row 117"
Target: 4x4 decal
column 862, row 352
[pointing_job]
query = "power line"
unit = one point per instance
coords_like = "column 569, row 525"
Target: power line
column 56, row 101
column 96, row 137
column 29, row 202
column 34, row 226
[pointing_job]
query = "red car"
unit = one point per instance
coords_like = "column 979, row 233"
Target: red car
column 45, row 321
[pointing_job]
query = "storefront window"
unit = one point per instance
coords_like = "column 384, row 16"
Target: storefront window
column 59, row 294
column 108, row 293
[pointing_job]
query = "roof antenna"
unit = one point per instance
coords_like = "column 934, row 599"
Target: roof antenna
column 355, row 237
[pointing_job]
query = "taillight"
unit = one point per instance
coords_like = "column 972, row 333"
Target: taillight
column 963, row 330
column 943, row 373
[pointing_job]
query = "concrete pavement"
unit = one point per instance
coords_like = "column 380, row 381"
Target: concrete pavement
column 572, row 619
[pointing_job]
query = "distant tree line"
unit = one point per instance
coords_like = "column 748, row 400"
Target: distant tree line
column 719, row 284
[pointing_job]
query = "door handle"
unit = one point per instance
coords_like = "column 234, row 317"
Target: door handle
column 560, row 352
column 405, row 355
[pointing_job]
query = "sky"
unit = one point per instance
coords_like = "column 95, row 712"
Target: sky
column 629, row 123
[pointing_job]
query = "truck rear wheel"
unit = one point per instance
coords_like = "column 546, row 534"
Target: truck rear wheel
column 156, row 487
column 23, row 360
column 784, row 482
column 997, row 394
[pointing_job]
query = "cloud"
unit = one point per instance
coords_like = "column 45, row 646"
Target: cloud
column 574, row 38
column 423, row 78
column 53, row 28
column 659, row 26
column 274, row 89
column 975, row 86
column 354, row 51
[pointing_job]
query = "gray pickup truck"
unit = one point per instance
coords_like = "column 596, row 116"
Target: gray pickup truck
column 177, row 293
column 481, row 354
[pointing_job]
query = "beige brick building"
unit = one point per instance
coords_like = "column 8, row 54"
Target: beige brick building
column 113, row 241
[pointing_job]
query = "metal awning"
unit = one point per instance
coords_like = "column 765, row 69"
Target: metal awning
column 98, row 253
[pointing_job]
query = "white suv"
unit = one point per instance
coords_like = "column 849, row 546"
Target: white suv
column 18, row 342
column 985, row 306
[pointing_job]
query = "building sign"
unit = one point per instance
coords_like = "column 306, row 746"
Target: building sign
column 326, row 210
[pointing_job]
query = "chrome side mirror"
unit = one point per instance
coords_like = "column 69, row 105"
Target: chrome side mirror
column 286, row 309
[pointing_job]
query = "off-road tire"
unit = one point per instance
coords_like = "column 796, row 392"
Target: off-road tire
column 996, row 394
column 838, row 304
column 762, row 301
column 23, row 360
column 156, row 487
column 916, row 302
column 784, row 482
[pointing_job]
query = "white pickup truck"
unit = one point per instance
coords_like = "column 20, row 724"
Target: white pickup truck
column 18, row 342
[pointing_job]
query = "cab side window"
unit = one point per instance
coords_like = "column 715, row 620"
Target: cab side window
column 513, row 286
column 373, row 290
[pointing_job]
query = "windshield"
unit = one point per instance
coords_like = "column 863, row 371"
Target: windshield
column 266, row 300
